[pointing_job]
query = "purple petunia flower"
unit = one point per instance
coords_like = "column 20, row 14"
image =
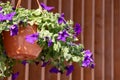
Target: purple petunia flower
column 88, row 53
column 69, row 70
column 88, row 61
column 77, row 29
column 1, row 8
column 61, row 19
column 44, row 64
column 24, row 62
column 50, row 43
column 10, row 15
column 63, row 35
column 15, row 75
column 2, row 17
column 54, row 70
column 13, row 30
column 48, row 8
column 32, row 38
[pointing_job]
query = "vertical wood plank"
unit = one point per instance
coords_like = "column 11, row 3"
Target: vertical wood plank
column 98, row 39
column 93, row 36
column 48, row 75
column 108, row 40
column 34, row 4
column 21, row 69
column 53, row 3
column 112, row 43
column 82, row 34
column 116, row 39
column 77, row 12
column 66, row 8
column 35, row 72
column 88, row 34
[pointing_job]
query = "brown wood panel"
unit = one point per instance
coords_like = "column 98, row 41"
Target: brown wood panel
column 66, row 8
column 108, row 41
column 53, row 3
column 116, row 39
column 48, row 75
column 24, row 3
column 98, row 39
column 88, row 34
column 34, row 4
column 77, row 13
column 35, row 72
column 21, row 69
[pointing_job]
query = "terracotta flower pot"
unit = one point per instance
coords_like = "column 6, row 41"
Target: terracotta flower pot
column 17, row 47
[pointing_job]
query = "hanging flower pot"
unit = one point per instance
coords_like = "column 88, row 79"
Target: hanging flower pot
column 17, row 47
column 45, row 31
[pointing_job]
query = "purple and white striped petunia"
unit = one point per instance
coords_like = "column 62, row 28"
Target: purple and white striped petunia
column 61, row 19
column 62, row 35
column 88, row 60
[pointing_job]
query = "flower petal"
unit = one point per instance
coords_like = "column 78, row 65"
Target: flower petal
column 32, row 38
column 77, row 29
column 69, row 70
column 48, row 8
column 13, row 30
column 1, row 8
column 54, row 70
column 50, row 43
column 15, row 75
column 61, row 19
column 62, row 35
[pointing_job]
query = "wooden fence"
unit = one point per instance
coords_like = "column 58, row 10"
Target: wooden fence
column 100, row 21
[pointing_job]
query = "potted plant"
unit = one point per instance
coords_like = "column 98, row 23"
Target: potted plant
column 49, row 34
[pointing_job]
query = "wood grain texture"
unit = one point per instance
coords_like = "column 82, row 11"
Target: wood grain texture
column 21, row 69
column 108, row 41
column 34, row 4
column 53, row 3
column 103, row 37
column 88, row 34
column 48, row 75
column 98, row 39
column 35, row 72
column 77, row 17
column 116, row 39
